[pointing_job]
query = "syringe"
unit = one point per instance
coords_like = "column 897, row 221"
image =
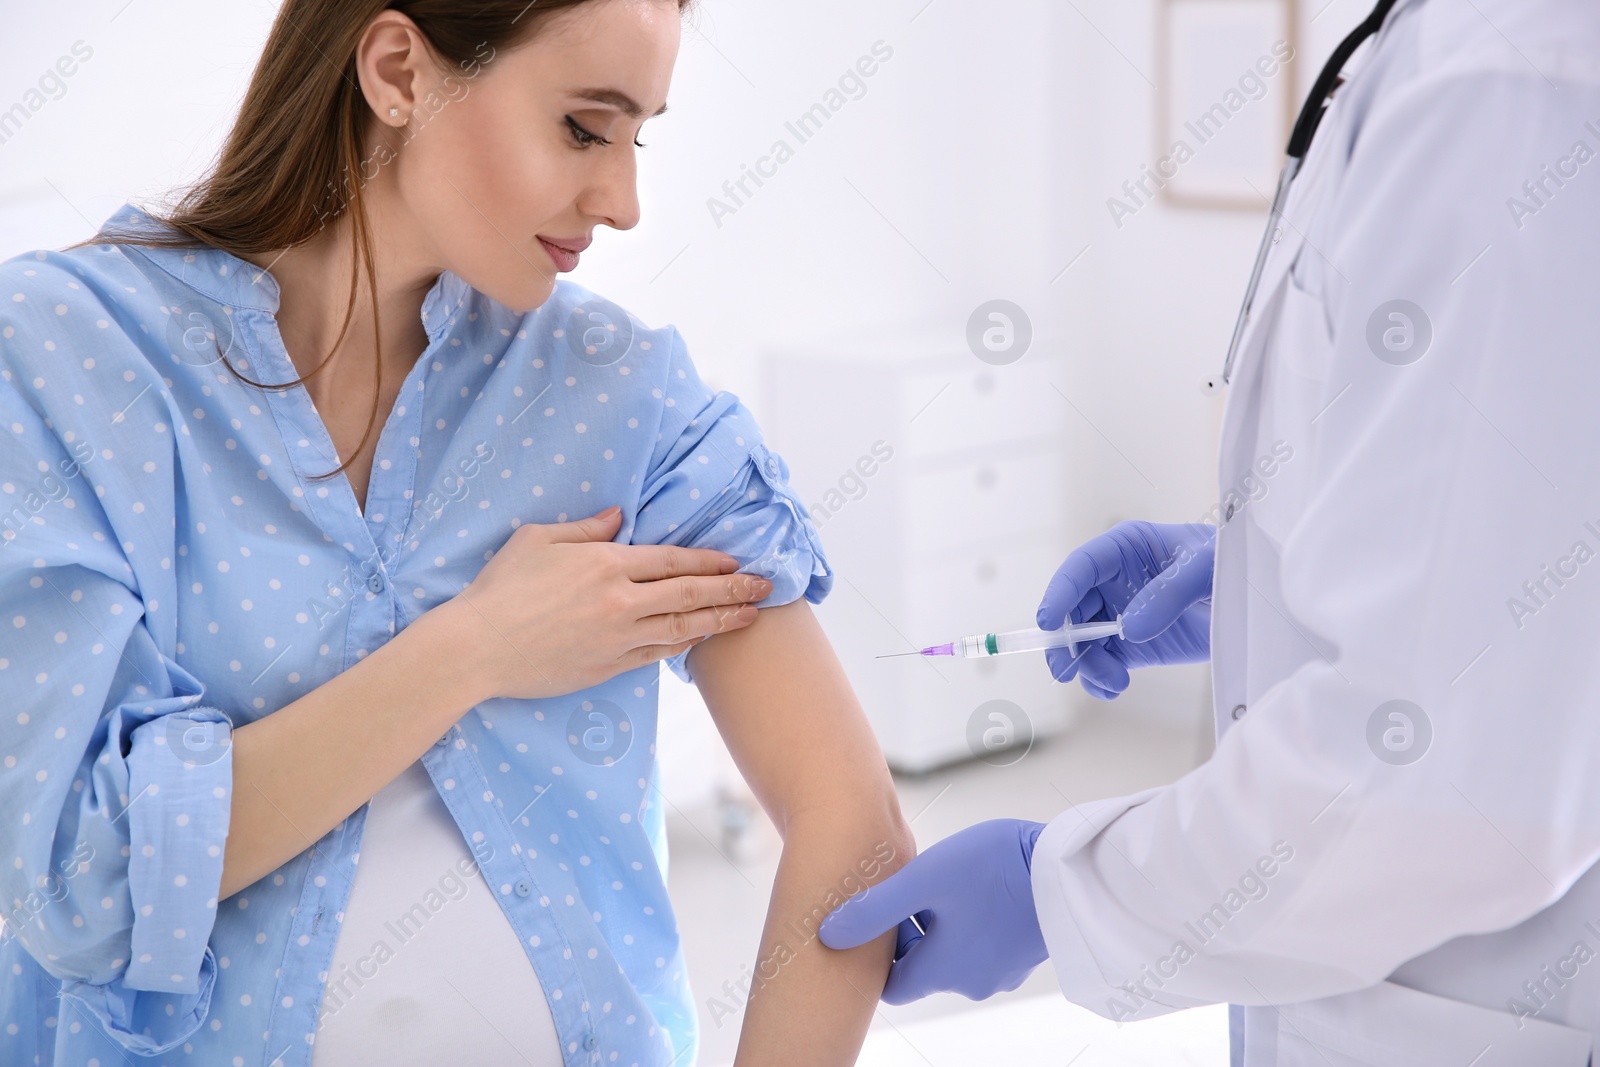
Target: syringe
column 999, row 644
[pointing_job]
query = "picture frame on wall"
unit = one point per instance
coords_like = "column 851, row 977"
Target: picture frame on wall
column 1225, row 101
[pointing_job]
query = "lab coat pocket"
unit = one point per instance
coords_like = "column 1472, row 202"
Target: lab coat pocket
column 1390, row 1025
column 1301, row 347
column 1295, row 388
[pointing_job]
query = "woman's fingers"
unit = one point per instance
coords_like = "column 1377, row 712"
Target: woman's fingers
column 645, row 655
column 641, row 563
column 653, row 563
column 675, row 595
column 680, row 626
column 601, row 527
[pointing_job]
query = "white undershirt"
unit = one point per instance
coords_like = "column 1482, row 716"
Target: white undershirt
column 454, row 985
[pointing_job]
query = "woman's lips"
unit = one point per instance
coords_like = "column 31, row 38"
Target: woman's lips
column 564, row 255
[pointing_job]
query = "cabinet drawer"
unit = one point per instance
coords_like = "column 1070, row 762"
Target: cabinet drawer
column 954, row 718
column 921, row 709
column 995, row 586
column 969, row 407
column 962, row 507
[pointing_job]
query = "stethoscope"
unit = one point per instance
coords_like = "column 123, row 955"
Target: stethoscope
column 1299, row 141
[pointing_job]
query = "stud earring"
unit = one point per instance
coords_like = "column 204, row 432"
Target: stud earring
column 393, row 111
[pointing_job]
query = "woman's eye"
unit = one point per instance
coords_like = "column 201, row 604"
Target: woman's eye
column 584, row 137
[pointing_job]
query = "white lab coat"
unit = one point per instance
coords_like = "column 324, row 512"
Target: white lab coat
column 1446, row 910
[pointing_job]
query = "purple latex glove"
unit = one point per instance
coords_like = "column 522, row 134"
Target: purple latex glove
column 973, row 894
column 1158, row 577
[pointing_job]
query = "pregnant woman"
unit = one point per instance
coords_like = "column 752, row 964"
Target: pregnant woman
column 340, row 547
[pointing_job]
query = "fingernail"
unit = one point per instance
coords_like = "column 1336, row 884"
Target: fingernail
column 730, row 565
column 606, row 514
column 761, row 586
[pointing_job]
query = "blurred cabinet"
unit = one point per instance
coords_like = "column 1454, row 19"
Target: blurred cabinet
column 940, row 486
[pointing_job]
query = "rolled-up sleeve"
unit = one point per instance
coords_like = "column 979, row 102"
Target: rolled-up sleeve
column 714, row 483
column 115, row 774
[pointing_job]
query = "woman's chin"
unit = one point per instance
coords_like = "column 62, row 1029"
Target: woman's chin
column 522, row 295
column 533, row 296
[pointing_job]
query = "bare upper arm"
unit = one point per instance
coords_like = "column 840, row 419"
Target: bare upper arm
column 787, row 712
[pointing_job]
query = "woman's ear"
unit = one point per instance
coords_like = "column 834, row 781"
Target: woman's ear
column 393, row 67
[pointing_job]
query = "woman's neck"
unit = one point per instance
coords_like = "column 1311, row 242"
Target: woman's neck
column 314, row 280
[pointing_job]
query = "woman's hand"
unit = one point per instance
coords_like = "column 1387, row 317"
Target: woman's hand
column 560, row 608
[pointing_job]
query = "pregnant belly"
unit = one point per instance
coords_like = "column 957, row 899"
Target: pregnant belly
column 418, row 982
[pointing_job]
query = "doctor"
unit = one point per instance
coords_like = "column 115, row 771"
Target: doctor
column 1391, row 856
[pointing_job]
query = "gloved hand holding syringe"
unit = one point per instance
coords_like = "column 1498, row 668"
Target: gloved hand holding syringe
column 976, row 646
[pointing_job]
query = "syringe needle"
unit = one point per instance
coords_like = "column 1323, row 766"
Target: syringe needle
column 892, row 655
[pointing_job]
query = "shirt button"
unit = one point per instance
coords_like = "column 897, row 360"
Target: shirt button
column 1229, row 514
column 772, row 466
column 590, row 1041
column 375, row 582
column 443, row 741
column 523, row 888
column 1238, row 712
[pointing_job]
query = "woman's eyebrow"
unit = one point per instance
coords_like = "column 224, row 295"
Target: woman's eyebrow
column 619, row 100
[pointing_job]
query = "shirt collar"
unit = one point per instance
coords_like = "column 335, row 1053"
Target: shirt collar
column 227, row 279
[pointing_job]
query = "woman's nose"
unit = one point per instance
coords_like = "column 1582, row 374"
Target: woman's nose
column 614, row 196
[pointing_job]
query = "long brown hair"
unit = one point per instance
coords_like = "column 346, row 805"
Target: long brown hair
column 299, row 129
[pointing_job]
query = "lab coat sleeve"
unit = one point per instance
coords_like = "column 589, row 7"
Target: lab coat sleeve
column 115, row 774
column 714, row 483
column 1448, row 555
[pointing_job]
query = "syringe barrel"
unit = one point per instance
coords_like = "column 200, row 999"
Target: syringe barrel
column 974, row 646
column 1026, row 641
column 1072, row 636
column 978, row 646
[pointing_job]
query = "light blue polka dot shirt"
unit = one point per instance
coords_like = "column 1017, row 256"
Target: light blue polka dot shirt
column 169, row 570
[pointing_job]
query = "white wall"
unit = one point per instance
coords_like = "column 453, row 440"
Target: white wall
column 976, row 165
column 146, row 111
